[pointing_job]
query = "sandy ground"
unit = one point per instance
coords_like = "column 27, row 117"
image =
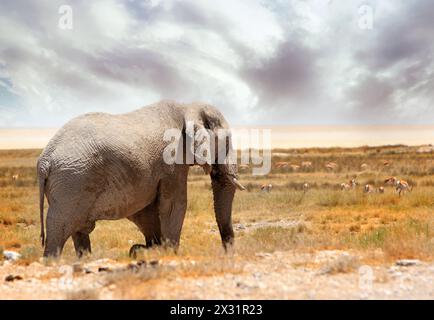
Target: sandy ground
column 278, row 275
column 281, row 136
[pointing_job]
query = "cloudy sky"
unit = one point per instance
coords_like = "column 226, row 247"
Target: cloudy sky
column 261, row 62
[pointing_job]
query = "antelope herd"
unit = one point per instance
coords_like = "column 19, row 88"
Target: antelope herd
column 294, row 167
column 401, row 186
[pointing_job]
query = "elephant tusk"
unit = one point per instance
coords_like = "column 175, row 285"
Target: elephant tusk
column 238, row 184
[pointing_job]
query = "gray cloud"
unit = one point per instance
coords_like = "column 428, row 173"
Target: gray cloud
column 397, row 64
column 372, row 99
column 275, row 62
column 288, row 76
column 404, row 35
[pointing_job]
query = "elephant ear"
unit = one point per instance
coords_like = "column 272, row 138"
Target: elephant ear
column 202, row 125
column 199, row 141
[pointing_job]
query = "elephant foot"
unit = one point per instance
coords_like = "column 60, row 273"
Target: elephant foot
column 149, row 244
column 134, row 248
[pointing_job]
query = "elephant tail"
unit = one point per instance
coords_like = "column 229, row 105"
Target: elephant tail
column 42, row 177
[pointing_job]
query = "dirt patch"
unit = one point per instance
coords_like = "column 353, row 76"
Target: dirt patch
column 279, row 275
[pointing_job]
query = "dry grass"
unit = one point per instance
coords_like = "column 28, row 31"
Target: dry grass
column 343, row 264
column 324, row 217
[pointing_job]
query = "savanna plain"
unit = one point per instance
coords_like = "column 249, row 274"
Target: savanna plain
column 305, row 237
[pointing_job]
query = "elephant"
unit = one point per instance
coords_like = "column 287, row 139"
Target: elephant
column 101, row 166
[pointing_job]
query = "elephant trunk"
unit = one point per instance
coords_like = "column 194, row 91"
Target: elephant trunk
column 224, row 184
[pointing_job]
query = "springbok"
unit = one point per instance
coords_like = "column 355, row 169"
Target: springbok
column 400, row 185
column 387, row 163
column 281, row 164
column 266, row 187
column 345, row 186
column 306, row 164
column 294, row 167
column 391, row 181
column 351, row 185
column 380, row 190
column 15, row 177
column 306, row 187
column 369, row 188
column 331, row 165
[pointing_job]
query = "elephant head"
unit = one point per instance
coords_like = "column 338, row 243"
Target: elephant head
column 212, row 149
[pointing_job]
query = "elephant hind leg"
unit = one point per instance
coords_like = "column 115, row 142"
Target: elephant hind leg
column 57, row 233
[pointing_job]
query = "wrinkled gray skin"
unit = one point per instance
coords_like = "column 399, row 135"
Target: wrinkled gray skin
column 107, row 167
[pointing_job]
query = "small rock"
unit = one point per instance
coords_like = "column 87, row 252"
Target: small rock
column 407, row 262
column 263, row 254
column 173, row 264
column 141, row 263
column 153, row 263
column 132, row 267
column 11, row 255
column 246, row 286
column 11, row 278
column 104, row 269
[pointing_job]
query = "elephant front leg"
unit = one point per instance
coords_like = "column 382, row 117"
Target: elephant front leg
column 172, row 206
column 81, row 239
column 81, row 244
